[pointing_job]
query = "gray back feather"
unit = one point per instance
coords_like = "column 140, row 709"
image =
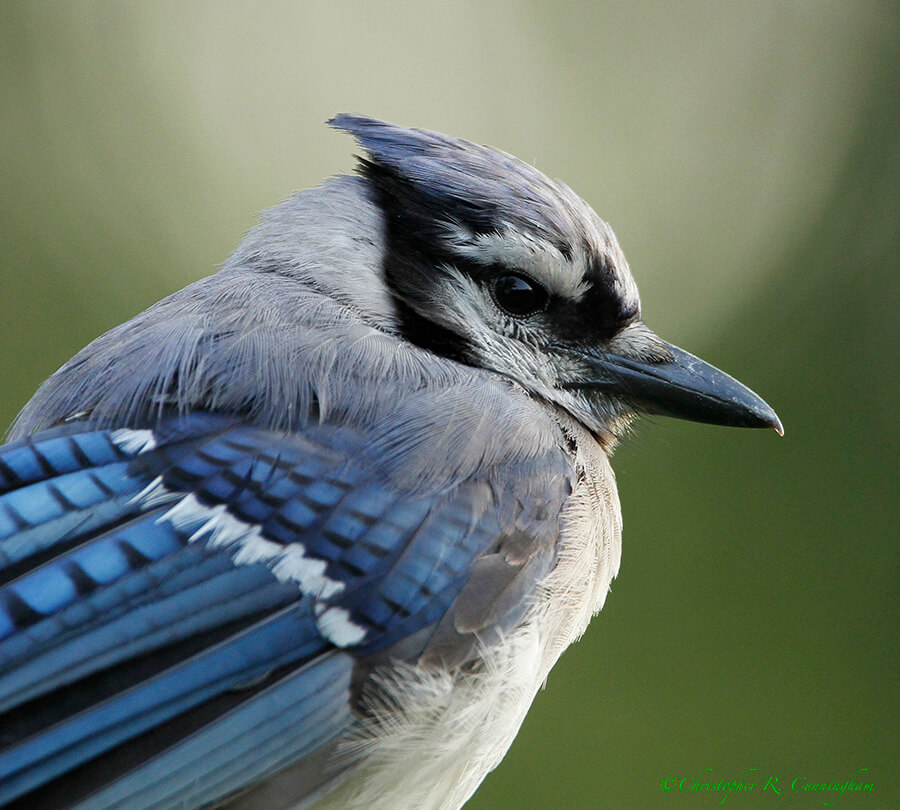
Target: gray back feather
column 297, row 328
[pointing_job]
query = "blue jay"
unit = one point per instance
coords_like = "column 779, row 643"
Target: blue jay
column 312, row 531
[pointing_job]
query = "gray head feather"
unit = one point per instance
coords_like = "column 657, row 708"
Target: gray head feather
column 487, row 184
column 310, row 318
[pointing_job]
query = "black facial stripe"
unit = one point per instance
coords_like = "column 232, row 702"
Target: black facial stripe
column 425, row 213
column 422, row 214
column 432, row 336
column 600, row 313
column 416, row 247
column 597, row 317
column 413, row 239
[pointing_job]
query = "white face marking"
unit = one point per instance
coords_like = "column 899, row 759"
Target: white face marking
column 245, row 542
column 133, row 442
column 514, row 250
column 522, row 348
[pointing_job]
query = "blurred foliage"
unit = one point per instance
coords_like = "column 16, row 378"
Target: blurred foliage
column 748, row 156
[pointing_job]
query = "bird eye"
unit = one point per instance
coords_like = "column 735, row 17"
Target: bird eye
column 518, row 295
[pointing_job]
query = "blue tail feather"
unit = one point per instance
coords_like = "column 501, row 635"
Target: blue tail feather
column 288, row 636
column 288, row 720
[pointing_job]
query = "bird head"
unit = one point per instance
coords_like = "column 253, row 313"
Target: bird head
column 492, row 264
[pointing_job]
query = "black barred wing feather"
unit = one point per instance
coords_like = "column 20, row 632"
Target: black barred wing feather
column 183, row 610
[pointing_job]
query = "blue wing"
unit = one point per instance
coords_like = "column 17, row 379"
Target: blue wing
column 183, row 611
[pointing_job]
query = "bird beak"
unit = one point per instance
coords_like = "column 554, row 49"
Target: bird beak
column 685, row 387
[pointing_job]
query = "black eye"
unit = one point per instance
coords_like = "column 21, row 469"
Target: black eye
column 518, row 295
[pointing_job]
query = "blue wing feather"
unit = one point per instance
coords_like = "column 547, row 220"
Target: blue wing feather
column 102, row 641
column 39, row 515
column 165, row 588
column 288, row 636
column 56, row 452
column 254, row 739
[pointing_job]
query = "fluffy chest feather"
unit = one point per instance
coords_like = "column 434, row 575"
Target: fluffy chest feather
column 455, row 727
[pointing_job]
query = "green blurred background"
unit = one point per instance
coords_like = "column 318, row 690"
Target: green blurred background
column 747, row 156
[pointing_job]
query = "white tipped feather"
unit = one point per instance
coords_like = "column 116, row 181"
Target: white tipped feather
column 133, row 442
column 336, row 625
column 155, row 494
column 293, row 565
column 247, row 545
column 187, row 513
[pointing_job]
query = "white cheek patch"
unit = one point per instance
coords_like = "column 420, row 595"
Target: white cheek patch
column 288, row 563
column 518, row 251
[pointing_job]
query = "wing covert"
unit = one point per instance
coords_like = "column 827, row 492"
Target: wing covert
column 161, row 585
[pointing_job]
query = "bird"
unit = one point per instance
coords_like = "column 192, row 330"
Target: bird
column 312, row 531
